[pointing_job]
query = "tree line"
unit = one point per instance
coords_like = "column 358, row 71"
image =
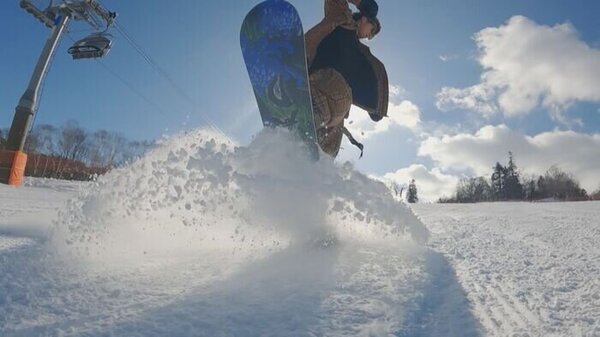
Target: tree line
column 72, row 152
column 411, row 195
column 506, row 184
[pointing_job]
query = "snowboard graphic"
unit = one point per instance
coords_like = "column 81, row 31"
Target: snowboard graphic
column 272, row 41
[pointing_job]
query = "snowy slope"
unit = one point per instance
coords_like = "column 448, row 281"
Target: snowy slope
column 203, row 238
column 528, row 269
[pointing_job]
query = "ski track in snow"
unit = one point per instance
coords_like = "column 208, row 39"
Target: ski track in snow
column 528, row 269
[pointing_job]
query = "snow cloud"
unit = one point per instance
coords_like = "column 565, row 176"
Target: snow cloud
column 527, row 65
column 431, row 184
column 406, row 114
column 573, row 152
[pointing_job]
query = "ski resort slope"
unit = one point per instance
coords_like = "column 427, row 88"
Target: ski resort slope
column 204, row 238
column 528, row 269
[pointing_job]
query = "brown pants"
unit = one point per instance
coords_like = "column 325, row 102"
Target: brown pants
column 331, row 100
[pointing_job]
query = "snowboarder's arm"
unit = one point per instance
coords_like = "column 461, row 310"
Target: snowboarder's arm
column 337, row 13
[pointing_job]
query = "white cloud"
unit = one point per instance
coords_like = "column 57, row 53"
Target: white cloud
column 527, row 65
column 574, row 152
column 406, row 114
column 446, row 58
column 479, row 98
column 397, row 91
column 431, row 184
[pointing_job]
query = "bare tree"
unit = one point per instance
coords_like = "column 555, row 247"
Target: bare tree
column 473, row 190
column 530, row 187
column 135, row 149
column 596, row 194
column 560, row 185
column 43, row 139
column 105, row 147
column 110, row 149
column 73, row 141
column 3, row 136
column 70, row 152
column 49, row 138
column 398, row 190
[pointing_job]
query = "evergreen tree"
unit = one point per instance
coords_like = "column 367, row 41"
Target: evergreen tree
column 498, row 182
column 412, row 193
column 513, row 190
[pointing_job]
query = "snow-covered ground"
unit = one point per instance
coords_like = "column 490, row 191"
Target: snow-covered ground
column 528, row 269
column 201, row 238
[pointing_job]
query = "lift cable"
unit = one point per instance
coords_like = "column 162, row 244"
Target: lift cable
column 163, row 73
column 125, row 82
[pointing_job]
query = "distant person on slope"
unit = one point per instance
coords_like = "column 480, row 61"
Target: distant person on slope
column 343, row 71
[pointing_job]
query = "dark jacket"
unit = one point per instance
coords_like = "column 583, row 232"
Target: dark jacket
column 341, row 51
column 333, row 44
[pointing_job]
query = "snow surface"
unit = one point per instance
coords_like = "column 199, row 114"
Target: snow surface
column 203, row 238
column 528, row 269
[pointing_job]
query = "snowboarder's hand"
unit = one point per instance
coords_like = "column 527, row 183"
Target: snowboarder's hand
column 338, row 13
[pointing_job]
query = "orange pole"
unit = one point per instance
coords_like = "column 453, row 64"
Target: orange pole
column 17, row 170
column 12, row 167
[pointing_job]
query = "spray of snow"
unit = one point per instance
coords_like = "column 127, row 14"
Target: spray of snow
column 198, row 192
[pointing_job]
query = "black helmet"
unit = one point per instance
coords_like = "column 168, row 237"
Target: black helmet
column 369, row 9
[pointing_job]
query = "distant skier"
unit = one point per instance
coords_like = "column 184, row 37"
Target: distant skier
column 343, row 71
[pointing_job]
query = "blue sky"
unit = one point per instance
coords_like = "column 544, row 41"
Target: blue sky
column 426, row 46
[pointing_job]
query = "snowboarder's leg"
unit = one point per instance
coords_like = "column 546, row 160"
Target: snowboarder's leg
column 331, row 99
column 330, row 139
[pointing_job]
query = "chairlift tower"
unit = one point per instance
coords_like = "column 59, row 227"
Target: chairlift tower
column 56, row 17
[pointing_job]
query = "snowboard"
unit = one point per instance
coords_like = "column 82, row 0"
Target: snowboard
column 272, row 41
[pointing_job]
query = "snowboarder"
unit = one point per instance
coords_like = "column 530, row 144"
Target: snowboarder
column 343, row 71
